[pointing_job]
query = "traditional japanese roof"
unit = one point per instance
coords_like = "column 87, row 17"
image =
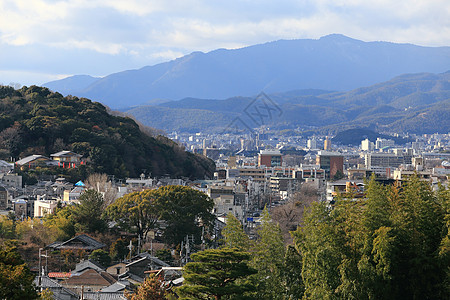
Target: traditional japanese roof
column 80, row 242
column 103, row 296
column 143, row 256
column 87, row 264
column 65, row 153
column 30, row 159
column 118, row 286
column 59, row 292
column 91, row 277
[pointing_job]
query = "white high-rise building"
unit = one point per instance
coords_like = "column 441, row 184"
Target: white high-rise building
column 312, row 143
column 367, row 145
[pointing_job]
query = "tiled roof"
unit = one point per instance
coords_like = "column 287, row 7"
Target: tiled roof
column 30, row 159
column 59, row 274
column 82, row 241
column 59, row 292
column 87, row 264
column 103, row 296
column 91, row 277
column 116, row 287
column 65, row 153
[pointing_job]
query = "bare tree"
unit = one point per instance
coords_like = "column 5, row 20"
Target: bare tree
column 101, row 184
column 290, row 215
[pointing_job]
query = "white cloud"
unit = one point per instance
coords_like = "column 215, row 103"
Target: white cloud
column 142, row 32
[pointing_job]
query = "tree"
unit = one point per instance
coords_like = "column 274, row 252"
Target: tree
column 101, row 256
column 217, row 274
column 268, row 259
column 384, row 247
column 61, row 221
column 88, row 215
column 234, row 235
column 16, row 280
column 101, row 184
column 184, row 210
column 135, row 212
column 151, row 289
column 292, row 274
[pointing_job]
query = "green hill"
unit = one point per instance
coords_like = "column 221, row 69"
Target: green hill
column 34, row 120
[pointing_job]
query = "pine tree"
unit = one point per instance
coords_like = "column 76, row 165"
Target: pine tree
column 217, row 274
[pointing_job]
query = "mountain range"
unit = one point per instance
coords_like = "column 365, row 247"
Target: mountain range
column 416, row 103
column 334, row 62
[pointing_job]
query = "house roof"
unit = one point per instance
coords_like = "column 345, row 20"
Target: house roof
column 30, row 159
column 65, row 153
column 103, row 296
column 59, row 292
column 118, row 286
column 90, row 277
column 87, row 264
column 141, row 257
column 83, row 242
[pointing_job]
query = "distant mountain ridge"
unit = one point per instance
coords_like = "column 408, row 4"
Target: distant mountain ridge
column 417, row 103
column 334, row 62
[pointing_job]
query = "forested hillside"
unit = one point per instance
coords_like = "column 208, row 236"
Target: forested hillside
column 34, row 120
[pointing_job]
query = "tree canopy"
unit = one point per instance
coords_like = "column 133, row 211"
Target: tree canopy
column 34, row 120
column 16, row 279
column 217, row 274
column 387, row 246
column 182, row 210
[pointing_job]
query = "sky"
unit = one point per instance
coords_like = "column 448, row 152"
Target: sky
column 45, row 40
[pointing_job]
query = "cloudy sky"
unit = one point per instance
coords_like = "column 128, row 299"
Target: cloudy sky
column 44, row 40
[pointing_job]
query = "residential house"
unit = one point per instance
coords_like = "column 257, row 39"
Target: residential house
column 67, row 159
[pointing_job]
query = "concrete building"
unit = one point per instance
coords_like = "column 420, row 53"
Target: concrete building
column 382, row 143
column 331, row 162
column 269, row 158
column 367, row 145
column 386, row 160
column 43, row 207
column 327, row 144
column 3, row 198
column 257, row 174
column 312, row 143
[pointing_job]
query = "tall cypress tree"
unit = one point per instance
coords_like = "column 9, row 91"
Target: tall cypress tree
column 268, row 259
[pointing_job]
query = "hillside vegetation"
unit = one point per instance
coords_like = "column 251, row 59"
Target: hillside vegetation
column 34, row 120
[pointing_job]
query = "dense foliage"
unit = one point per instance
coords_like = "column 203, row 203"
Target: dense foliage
column 182, row 210
column 16, row 279
column 217, row 274
column 34, row 120
column 391, row 245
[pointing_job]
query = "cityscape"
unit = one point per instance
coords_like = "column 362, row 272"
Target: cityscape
column 289, row 150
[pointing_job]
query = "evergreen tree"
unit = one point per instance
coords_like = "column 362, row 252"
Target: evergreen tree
column 268, row 259
column 234, row 235
column 88, row 215
column 292, row 274
column 217, row 274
